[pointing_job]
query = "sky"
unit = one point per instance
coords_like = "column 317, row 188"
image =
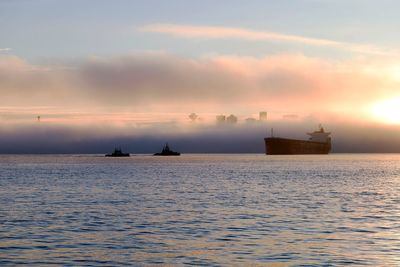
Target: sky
column 128, row 73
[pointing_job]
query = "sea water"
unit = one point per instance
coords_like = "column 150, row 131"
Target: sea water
column 202, row 210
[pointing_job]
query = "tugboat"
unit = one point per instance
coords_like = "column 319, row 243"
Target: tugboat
column 118, row 153
column 167, row 152
column 318, row 143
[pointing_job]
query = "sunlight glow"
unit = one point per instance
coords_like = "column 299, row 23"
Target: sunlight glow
column 387, row 111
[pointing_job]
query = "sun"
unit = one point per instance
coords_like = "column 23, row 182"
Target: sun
column 387, row 111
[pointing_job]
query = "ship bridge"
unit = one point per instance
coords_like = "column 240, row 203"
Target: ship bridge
column 320, row 136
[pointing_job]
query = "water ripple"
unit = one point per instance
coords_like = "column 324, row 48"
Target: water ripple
column 201, row 210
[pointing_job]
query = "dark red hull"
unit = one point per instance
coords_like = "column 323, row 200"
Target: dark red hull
column 283, row 146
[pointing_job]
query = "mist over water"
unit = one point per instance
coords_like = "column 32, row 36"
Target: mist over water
column 44, row 138
column 211, row 210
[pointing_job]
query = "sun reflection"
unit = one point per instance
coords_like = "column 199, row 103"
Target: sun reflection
column 387, row 111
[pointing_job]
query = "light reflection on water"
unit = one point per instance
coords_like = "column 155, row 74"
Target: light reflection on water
column 200, row 210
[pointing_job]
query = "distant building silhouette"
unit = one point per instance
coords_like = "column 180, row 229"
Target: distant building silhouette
column 220, row 119
column 232, row 119
column 38, row 118
column 250, row 120
column 263, row 115
column 193, row 117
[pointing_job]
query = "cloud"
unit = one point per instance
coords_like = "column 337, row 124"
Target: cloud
column 189, row 31
column 113, row 90
column 5, row 49
column 218, row 32
column 285, row 81
column 158, row 77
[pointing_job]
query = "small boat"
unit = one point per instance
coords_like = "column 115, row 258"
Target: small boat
column 167, row 152
column 118, row 153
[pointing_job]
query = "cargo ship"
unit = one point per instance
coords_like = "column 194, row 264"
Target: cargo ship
column 318, row 143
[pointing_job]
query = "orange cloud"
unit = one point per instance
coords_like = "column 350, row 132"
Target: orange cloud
column 91, row 90
column 217, row 32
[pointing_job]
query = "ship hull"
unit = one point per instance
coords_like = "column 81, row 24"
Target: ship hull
column 284, row 146
column 167, row 154
column 118, row 155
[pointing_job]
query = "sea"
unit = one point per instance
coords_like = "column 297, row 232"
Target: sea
column 200, row 210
